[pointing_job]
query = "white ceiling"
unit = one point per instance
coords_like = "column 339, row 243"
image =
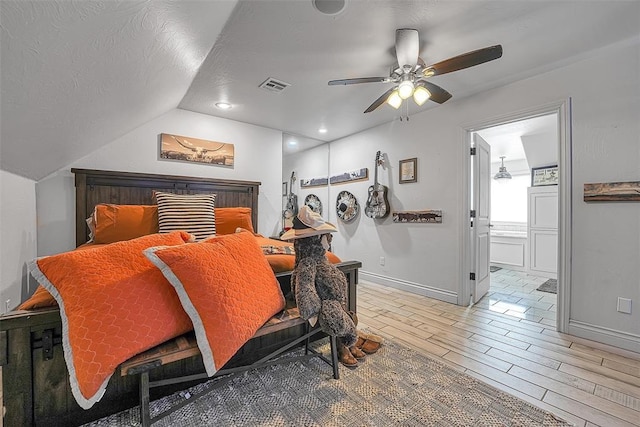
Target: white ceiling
column 506, row 140
column 77, row 75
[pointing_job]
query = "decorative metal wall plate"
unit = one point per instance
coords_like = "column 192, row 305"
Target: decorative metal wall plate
column 314, row 203
column 347, row 206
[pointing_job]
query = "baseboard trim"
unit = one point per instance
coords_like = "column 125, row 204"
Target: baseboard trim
column 414, row 288
column 612, row 337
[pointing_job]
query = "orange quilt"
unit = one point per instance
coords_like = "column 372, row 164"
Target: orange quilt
column 279, row 253
column 226, row 286
column 114, row 303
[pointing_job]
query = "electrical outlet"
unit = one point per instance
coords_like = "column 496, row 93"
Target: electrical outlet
column 7, row 305
column 624, row 305
column 381, row 260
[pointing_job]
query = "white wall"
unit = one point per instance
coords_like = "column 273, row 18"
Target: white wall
column 315, row 163
column 17, row 238
column 258, row 157
column 427, row 258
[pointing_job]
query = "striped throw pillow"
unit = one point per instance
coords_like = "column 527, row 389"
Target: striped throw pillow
column 193, row 213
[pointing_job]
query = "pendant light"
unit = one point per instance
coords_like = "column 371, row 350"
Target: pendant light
column 502, row 174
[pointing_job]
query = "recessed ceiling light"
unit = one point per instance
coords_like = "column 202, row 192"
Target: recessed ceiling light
column 223, row 105
column 293, row 142
column 322, row 130
column 329, row 7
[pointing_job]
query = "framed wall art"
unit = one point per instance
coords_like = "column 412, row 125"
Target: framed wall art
column 187, row 149
column 355, row 175
column 423, row 217
column 612, row 192
column 314, row 182
column 408, row 170
column 546, row 175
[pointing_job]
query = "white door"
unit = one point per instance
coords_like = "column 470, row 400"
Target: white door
column 482, row 205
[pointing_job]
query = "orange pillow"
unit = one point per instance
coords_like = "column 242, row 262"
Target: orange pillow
column 227, row 288
column 228, row 219
column 283, row 257
column 41, row 298
column 114, row 304
column 114, row 223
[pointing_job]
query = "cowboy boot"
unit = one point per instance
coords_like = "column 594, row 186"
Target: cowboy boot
column 345, row 357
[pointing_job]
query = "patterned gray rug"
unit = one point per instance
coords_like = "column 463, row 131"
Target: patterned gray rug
column 550, row 286
column 396, row 386
column 493, row 268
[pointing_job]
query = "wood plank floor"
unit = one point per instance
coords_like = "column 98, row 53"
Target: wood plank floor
column 509, row 340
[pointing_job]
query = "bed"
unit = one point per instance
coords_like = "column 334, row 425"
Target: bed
column 36, row 389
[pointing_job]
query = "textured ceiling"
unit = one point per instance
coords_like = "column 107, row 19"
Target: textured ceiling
column 77, row 75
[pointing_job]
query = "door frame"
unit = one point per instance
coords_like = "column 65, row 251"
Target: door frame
column 563, row 109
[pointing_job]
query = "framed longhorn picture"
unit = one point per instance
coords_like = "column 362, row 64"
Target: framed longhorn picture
column 188, row 149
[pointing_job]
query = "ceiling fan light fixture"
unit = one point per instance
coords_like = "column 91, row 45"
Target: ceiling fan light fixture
column 421, row 95
column 502, row 175
column 394, row 99
column 405, row 89
column 429, row 72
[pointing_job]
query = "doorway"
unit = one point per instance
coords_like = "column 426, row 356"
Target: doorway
column 560, row 154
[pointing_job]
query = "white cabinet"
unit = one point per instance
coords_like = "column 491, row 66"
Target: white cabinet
column 508, row 250
column 542, row 231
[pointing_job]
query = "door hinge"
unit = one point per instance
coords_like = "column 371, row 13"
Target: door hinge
column 473, row 151
column 472, row 214
column 472, row 276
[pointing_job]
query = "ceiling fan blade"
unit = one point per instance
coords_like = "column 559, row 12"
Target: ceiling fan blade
column 465, row 60
column 438, row 94
column 359, row 80
column 407, row 47
column 378, row 102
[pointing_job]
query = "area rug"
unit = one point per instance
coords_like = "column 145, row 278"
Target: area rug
column 493, row 268
column 550, row 286
column 395, row 386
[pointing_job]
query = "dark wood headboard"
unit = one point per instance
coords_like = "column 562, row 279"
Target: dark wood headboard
column 127, row 188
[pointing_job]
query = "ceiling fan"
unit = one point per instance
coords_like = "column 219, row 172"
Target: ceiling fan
column 410, row 73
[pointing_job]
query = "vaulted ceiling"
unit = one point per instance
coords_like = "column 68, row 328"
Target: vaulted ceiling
column 76, row 75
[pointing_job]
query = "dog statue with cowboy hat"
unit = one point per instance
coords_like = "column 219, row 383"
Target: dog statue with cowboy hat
column 320, row 287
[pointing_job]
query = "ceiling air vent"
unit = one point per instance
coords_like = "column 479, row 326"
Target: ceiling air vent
column 274, row 85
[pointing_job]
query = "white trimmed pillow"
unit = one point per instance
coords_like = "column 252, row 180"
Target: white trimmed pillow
column 193, row 213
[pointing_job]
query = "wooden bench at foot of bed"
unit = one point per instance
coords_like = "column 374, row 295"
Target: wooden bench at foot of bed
column 186, row 346
column 35, row 380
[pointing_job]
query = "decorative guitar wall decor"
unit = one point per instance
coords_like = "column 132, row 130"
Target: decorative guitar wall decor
column 377, row 204
column 291, row 209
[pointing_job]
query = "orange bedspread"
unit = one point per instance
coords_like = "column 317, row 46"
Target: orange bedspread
column 120, row 299
column 279, row 254
column 114, row 303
